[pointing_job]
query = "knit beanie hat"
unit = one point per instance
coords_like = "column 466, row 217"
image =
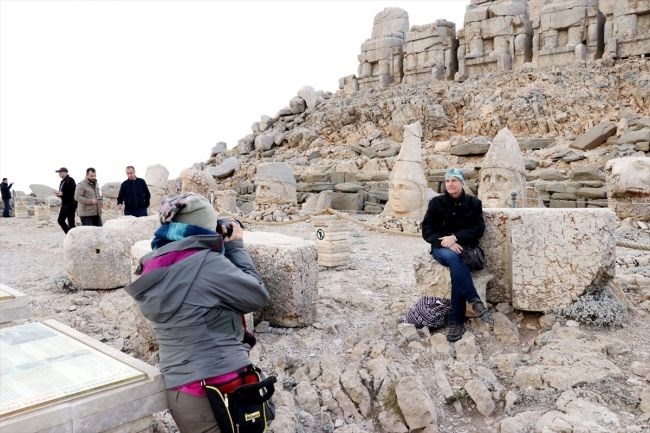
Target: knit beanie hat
column 454, row 172
column 189, row 208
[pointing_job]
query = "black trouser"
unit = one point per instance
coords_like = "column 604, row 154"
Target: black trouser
column 7, row 206
column 67, row 212
column 142, row 212
column 94, row 220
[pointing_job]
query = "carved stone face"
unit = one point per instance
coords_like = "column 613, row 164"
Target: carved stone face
column 497, row 185
column 629, row 177
column 274, row 192
column 404, row 196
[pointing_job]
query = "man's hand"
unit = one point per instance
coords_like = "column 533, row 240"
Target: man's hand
column 456, row 248
column 120, row 206
column 93, row 201
column 447, row 241
column 58, row 193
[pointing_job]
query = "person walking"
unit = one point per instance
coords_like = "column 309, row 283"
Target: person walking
column 455, row 220
column 90, row 201
column 66, row 191
column 134, row 196
column 6, row 196
column 194, row 288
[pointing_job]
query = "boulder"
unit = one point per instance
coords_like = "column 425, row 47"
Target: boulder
column 97, row 257
column 311, row 97
column 415, row 403
column 218, row 148
column 289, row 270
column 42, row 191
column 111, row 190
column 227, row 168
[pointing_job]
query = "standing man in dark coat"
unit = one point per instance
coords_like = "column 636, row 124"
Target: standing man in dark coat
column 6, row 196
column 66, row 192
column 455, row 220
column 134, row 196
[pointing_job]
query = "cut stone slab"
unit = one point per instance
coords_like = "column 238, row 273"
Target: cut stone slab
column 595, row 136
column 288, row 266
column 14, row 305
column 332, row 239
column 90, row 387
column 559, row 254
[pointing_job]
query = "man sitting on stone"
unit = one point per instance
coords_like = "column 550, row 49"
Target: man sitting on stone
column 453, row 220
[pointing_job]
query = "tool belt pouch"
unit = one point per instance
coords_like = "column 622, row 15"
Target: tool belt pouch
column 245, row 409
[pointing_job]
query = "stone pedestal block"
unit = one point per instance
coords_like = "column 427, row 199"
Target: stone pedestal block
column 42, row 214
column 14, row 305
column 288, row 266
column 97, row 257
column 559, row 254
column 332, row 239
column 226, row 200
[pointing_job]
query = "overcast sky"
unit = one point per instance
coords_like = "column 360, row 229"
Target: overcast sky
column 115, row 83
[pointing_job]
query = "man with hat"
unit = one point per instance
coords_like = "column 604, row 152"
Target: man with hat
column 66, row 192
column 455, row 220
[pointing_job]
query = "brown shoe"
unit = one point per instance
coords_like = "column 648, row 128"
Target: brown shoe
column 482, row 312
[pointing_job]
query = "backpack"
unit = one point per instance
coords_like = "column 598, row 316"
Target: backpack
column 429, row 311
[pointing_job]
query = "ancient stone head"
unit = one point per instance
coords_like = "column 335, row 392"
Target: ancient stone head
column 275, row 184
column 407, row 184
column 628, row 177
column 502, row 173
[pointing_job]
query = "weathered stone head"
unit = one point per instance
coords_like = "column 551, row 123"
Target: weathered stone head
column 503, row 172
column 407, row 193
column 628, row 187
column 275, row 184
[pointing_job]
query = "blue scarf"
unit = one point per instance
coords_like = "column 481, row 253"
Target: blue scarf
column 173, row 231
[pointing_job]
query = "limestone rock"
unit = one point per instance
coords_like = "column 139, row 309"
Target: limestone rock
column 311, row 97
column 111, row 190
column 628, row 187
column 595, row 136
column 218, row 148
column 42, row 190
column 157, row 178
column 415, row 403
column 553, row 264
column 134, row 229
column 97, row 258
column 197, row 181
column 227, row 167
column 578, row 414
column 289, row 270
column 481, row 396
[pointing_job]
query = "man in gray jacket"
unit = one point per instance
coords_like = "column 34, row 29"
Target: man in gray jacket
column 194, row 288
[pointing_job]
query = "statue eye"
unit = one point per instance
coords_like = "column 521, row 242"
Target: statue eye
column 501, row 179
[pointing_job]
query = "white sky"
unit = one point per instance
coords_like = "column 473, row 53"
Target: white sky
column 114, row 83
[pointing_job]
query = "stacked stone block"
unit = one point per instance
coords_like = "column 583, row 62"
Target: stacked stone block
column 430, row 52
column 380, row 61
column 332, row 239
column 568, row 31
column 496, row 37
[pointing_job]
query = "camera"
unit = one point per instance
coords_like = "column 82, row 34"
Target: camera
column 228, row 225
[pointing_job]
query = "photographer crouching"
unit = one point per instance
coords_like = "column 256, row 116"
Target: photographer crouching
column 195, row 287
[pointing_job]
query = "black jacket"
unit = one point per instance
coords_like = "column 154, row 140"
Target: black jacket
column 67, row 187
column 6, row 194
column 462, row 217
column 134, row 194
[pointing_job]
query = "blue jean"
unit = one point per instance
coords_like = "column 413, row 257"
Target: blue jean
column 462, row 286
column 7, row 206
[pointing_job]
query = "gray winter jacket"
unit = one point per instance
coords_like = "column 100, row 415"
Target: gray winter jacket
column 195, row 305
